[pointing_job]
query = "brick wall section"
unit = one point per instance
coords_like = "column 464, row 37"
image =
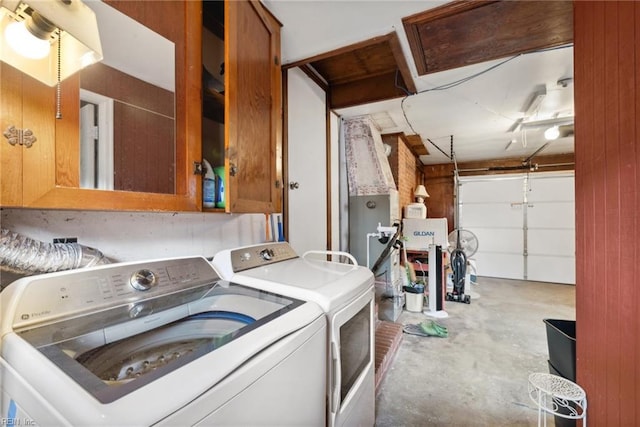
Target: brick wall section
column 387, row 342
column 405, row 166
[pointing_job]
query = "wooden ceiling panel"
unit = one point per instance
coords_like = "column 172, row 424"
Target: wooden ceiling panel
column 462, row 33
column 364, row 72
column 416, row 145
column 357, row 64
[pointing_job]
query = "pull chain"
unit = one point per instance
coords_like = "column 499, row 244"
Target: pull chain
column 58, row 85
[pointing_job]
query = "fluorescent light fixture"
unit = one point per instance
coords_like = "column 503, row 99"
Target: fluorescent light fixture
column 515, row 126
column 534, row 103
column 50, row 24
column 510, row 144
column 543, row 124
column 383, row 121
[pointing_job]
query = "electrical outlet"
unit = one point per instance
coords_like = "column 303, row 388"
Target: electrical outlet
column 65, row 240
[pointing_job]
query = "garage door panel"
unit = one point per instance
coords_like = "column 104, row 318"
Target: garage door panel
column 506, row 266
column 499, row 240
column 492, row 190
column 551, row 189
column 490, row 215
column 551, row 215
column 551, row 242
column 556, row 269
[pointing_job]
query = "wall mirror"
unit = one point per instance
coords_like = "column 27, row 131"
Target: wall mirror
column 128, row 108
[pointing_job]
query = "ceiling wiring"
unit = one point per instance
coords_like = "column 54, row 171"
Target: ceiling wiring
column 459, row 82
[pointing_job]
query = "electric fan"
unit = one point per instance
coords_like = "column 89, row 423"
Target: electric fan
column 462, row 245
column 468, row 242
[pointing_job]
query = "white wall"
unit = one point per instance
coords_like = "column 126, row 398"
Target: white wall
column 132, row 236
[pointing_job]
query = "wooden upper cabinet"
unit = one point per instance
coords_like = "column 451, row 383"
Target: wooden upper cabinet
column 47, row 175
column 247, row 113
column 253, row 110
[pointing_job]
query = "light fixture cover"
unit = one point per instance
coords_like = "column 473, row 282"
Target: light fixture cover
column 552, row 133
column 24, row 42
column 421, row 192
column 79, row 38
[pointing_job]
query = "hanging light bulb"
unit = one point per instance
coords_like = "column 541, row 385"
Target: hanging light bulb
column 48, row 40
column 552, row 133
column 22, row 40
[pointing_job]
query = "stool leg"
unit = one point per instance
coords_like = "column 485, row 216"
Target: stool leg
column 540, row 409
column 544, row 413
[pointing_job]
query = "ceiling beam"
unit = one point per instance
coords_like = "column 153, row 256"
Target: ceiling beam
column 365, row 90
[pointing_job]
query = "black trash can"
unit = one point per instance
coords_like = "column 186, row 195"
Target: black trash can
column 561, row 340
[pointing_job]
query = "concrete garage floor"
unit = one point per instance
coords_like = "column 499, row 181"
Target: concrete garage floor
column 477, row 376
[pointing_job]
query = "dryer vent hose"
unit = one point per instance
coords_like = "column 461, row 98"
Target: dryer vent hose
column 23, row 255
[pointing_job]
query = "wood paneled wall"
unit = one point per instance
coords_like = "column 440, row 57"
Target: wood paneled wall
column 607, row 99
column 438, row 179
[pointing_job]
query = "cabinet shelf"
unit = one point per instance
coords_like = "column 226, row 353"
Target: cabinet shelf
column 213, row 17
column 213, row 106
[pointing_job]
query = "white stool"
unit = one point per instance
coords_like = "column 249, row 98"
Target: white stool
column 558, row 396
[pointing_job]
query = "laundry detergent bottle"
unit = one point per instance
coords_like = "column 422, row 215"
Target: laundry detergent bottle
column 208, row 186
column 220, row 186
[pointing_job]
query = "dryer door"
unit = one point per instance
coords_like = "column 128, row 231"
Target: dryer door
column 351, row 380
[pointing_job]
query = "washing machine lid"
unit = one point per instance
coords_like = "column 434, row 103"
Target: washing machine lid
column 329, row 284
column 119, row 345
column 119, row 358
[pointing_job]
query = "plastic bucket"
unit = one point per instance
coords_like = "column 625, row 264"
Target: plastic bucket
column 414, row 302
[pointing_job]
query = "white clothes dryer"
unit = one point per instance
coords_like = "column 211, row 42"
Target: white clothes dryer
column 163, row 342
column 345, row 291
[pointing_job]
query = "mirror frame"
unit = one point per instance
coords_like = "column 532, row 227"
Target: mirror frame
column 60, row 182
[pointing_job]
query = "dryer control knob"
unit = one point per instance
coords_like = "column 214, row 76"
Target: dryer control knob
column 267, row 254
column 143, row 280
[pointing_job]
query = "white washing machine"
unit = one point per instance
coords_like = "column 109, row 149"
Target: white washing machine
column 346, row 294
column 163, row 342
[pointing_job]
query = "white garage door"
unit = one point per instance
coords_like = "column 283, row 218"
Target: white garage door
column 525, row 225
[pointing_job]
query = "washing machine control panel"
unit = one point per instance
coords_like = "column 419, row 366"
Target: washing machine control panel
column 60, row 295
column 265, row 254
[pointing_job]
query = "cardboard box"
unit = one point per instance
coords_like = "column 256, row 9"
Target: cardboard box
column 420, row 233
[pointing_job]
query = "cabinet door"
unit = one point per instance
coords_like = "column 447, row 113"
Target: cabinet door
column 28, row 172
column 10, row 155
column 253, row 109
